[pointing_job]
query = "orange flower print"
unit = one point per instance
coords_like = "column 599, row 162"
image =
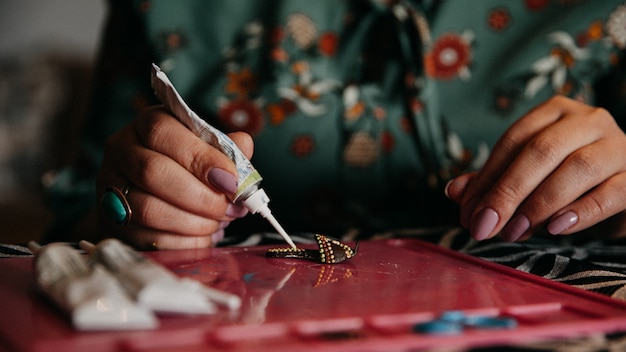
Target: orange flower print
column 564, row 56
column 355, row 111
column 449, row 57
column 278, row 112
column 303, row 145
column 241, row 83
column 171, row 41
column 241, row 115
column 280, row 55
column 594, row 32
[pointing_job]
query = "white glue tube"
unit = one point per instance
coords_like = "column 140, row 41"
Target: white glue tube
column 150, row 283
column 248, row 178
column 91, row 295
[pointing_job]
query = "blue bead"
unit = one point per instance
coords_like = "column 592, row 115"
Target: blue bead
column 438, row 327
column 455, row 316
column 483, row 322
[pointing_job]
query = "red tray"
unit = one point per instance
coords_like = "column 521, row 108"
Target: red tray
column 369, row 303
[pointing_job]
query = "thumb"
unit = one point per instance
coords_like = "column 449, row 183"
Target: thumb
column 244, row 142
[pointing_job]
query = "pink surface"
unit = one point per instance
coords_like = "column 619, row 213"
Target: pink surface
column 370, row 302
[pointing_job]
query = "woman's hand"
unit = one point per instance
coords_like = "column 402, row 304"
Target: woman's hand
column 177, row 183
column 563, row 166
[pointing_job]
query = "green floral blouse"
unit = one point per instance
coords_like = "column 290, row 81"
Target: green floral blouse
column 360, row 110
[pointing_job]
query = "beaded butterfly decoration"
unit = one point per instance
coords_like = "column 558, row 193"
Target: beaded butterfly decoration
column 330, row 251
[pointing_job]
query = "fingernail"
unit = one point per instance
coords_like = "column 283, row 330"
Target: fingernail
column 446, row 190
column 217, row 236
column 518, row 225
column 236, row 211
column 467, row 211
column 486, row 221
column 223, row 180
column 455, row 188
column 223, row 225
column 562, row 222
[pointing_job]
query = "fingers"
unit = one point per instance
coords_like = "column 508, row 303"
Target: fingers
column 455, row 188
column 602, row 202
column 582, row 171
column 158, row 131
column 179, row 183
column 558, row 166
column 244, row 142
column 504, row 152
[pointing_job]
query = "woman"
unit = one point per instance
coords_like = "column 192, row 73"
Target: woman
column 360, row 112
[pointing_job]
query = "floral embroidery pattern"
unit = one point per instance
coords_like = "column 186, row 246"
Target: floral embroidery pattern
column 554, row 67
column 536, row 5
column 241, row 83
column 303, row 145
column 616, row 26
column 328, row 43
column 568, row 58
column 361, row 150
column 307, row 90
column 462, row 158
column 499, row 19
column 171, row 41
column 450, row 56
column 302, row 30
column 241, row 115
column 278, row 112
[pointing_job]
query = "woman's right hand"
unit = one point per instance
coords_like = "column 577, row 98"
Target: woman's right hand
column 177, row 183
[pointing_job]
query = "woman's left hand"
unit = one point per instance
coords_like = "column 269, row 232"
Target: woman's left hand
column 563, row 165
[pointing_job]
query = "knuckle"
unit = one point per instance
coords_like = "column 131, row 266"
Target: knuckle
column 585, row 163
column 147, row 167
column 198, row 163
column 152, row 128
column 544, row 150
column 509, row 141
column 596, row 207
column 509, row 193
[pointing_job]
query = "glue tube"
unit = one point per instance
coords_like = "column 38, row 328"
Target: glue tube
column 154, row 286
column 92, row 296
column 253, row 198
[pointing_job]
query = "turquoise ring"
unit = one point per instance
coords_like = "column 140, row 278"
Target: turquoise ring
column 115, row 205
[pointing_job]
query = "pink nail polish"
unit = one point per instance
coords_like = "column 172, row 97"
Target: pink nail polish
column 223, row 180
column 516, row 227
column 446, row 190
column 485, row 222
column 217, row 236
column 467, row 211
column 562, row 222
column 236, row 211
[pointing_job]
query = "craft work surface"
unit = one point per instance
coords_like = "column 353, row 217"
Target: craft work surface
column 371, row 302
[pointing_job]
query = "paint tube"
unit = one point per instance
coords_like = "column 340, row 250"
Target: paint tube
column 150, row 283
column 90, row 294
column 248, row 178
